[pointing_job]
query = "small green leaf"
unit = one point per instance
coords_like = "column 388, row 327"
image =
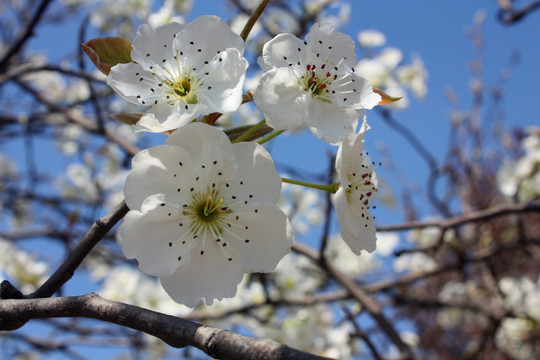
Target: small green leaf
column 128, row 118
column 385, row 98
column 106, row 52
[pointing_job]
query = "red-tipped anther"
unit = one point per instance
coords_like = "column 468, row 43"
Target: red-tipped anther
column 308, row 67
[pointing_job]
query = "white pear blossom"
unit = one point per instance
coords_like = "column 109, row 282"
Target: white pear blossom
column 339, row 253
column 203, row 213
column 313, row 83
column 521, row 177
column 371, row 38
column 414, row 263
column 182, row 72
column 128, row 285
column 23, row 268
column 358, row 189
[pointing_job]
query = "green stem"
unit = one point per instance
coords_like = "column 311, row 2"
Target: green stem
column 330, row 188
column 250, row 131
column 270, row 137
column 253, row 19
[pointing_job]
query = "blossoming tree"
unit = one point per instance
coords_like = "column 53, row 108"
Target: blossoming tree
column 146, row 189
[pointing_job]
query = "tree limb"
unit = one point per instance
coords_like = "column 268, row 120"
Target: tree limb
column 175, row 331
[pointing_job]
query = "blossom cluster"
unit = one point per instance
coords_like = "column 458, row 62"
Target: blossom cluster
column 203, row 210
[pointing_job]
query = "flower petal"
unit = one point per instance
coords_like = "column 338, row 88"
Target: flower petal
column 351, row 156
column 157, row 170
column 261, row 235
column 222, row 90
column 153, row 237
column 132, row 82
column 282, row 50
column 331, row 45
column 204, row 38
column 208, row 146
column 150, row 45
column 257, row 180
column 281, row 99
column 357, row 227
column 165, row 117
column 355, row 92
column 210, row 275
column 330, row 123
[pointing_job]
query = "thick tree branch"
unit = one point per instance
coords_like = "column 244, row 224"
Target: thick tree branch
column 177, row 332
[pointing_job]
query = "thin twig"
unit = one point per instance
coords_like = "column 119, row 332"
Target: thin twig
column 28, row 31
column 359, row 295
column 465, row 218
column 253, row 19
column 66, row 270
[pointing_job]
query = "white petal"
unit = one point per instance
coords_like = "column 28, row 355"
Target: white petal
column 282, row 50
column 257, row 180
column 151, row 46
column 165, row 117
column 358, row 231
column 355, row 92
column 222, row 89
column 331, row 45
column 210, row 276
column 157, row 170
column 154, row 238
column 206, row 145
column 349, row 158
column 343, row 153
column 329, row 122
column 204, row 38
column 261, row 236
column 132, row 83
column 280, row 97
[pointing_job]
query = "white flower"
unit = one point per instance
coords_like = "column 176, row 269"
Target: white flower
column 203, row 214
column 166, row 14
column 182, row 72
column 387, row 243
column 414, row 262
column 371, row 38
column 313, row 83
column 414, row 76
column 358, row 188
column 345, row 261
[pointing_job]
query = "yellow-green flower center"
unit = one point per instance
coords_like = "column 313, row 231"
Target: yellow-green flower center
column 181, row 90
column 207, row 212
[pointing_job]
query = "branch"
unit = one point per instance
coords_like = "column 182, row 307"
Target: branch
column 66, row 270
column 96, row 232
column 88, row 125
column 176, row 332
column 28, row 31
column 510, row 16
column 452, row 222
column 478, row 256
column 359, row 295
